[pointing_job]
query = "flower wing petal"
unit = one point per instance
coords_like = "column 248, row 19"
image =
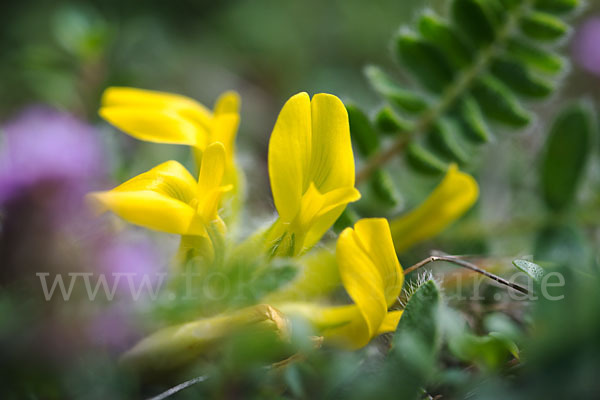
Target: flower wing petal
column 362, row 281
column 289, row 155
column 376, row 240
column 156, row 116
column 140, row 98
column 228, row 102
column 334, row 204
column 157, row 199
column 332, row 161
column 456, row 194
column 148, row 209
column 390, row 323
column 154, row 125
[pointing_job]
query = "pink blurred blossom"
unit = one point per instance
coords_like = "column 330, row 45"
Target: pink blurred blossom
column 586, row 46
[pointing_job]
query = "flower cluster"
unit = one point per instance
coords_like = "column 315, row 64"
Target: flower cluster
column 312, row 175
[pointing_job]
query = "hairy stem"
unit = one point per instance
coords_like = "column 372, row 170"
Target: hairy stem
column 468, row 265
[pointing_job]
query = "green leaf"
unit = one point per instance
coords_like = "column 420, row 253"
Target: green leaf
column 384, row 188
column 557, row 6
column 363, row 133
column 345, row 220
column 567, row 150
column 425, row 62
column 531, row 269
column 411, row 362
column 518, row 77
column 562, row 245
column 424, row 160
column 389, row 122
column 444, row 137
column 499, row 104
column 475, row 20
column 404, row 99
column 490, row 351
column 420, row 316
column 535, row 57
column 543, row 26
column 473, row 121
column 438, row 32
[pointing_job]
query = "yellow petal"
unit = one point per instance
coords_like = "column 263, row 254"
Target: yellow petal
column 149, row 99
column 210, row 190
column 212, row 168
column 332, row 161
column 148, row 209
column 170, row 179
column 210, row 203
column 311, row 167
column 334, row 203
column 156, row 116
column 154, row 125
column 157, row 199
column 390, row 323
column 363, row 282
column 228, row 102
column 375, row 239
column 224, row 130
column 178, row 345
column 322, row 318
column 289, row 155
column 455, row 195
column 343, row 325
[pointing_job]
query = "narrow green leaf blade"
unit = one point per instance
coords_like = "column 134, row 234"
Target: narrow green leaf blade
column 387, row 121
column 424, row 160
column 567, row 150
column 499, row 103
column 475, row 20
column 543, row 26
column 363, row 133
column 557, row 6
column 520, row 79
column 384, row 188
column 444, row 137
column 425, row 62
column 536, row 58
column 442, row 35
column 405, row 100
column 473, row 121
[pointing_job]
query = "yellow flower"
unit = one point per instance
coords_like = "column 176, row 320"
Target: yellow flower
column 372, row 277
column 169, row 118
column 311, row 167
column 180, row 344
column 455, row 195
column 167, row 198
column 369, row 271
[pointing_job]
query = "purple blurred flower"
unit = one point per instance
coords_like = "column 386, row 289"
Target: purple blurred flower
column 42, row 144
column 137, row 258
column 586, row 46
column 114, row 329
column 48, row 161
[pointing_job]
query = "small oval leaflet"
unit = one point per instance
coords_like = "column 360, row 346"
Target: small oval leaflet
column 531, row 269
